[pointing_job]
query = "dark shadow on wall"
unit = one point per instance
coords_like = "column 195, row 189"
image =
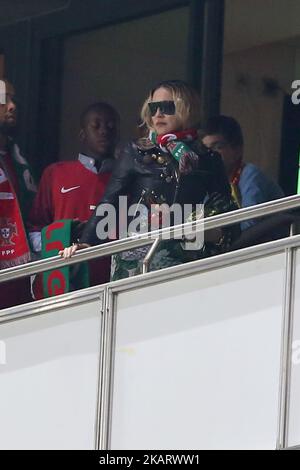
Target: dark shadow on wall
column 290, row 146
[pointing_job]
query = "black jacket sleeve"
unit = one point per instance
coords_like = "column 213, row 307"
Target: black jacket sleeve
column 220, row 183
column 119, row 185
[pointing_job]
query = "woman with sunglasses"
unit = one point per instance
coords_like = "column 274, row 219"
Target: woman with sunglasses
column 167, row 166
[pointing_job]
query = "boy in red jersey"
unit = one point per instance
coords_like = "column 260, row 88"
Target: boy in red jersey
column 72, row 189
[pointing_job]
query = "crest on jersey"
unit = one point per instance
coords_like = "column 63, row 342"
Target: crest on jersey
column 7, row 231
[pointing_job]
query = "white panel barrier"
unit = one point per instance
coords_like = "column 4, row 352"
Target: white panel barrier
column 200, row 356
column 195, row 356
column 294, row 409
column 197, row 362
column 49, row 378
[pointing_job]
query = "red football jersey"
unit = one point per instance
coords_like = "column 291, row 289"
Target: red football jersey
column 67, row 190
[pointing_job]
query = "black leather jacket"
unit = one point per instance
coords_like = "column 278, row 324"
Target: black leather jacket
column 143, row 167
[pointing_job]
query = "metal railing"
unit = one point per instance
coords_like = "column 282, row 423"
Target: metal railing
column 137, row 241
column 289, row 246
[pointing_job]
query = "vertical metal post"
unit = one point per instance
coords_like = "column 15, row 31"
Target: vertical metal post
column 112, row 299
column 206, row 52
column 292, row 229
column 105, row 389
column 100, row 374
column 286, row 351
column 149, row 255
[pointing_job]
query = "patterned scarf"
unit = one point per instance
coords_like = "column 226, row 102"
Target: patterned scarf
column 55, row 237
column 16, row 188
column 234, row 183
column 175, row 144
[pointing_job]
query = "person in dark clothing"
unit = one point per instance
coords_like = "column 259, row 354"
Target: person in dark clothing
column 249, row 185
column 168, row 166
column 17, row 190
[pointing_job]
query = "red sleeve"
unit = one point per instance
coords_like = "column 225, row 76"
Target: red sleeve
column 41, row 213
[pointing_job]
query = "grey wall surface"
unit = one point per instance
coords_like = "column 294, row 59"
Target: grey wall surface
column 137, row 54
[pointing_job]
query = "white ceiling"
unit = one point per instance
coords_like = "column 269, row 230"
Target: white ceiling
column 248, row 23
column 12, row 10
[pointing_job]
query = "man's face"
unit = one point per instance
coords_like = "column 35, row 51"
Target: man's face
column 8, row 108
column 100, row 133
column 230, row 155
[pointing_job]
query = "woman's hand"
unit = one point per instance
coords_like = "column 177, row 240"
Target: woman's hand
column 70, row 250
column 160, row 216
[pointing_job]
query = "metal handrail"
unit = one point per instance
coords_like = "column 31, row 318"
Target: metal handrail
column 137, row 241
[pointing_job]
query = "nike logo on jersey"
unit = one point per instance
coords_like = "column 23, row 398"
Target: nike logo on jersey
column 67, row 190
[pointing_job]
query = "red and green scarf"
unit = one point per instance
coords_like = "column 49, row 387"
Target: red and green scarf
column 175, row 143
column 55, row 237
column 234, row 183
column 16, row 190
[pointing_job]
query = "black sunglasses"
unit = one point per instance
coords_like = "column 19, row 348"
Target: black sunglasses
column 166, row 107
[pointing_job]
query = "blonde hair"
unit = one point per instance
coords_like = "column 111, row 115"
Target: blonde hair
column 187, row 104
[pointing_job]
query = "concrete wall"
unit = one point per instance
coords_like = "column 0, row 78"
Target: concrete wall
column 259, row 113
column 261, row 40
column 1, row 65
column 137, row 54
column 250, row 23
